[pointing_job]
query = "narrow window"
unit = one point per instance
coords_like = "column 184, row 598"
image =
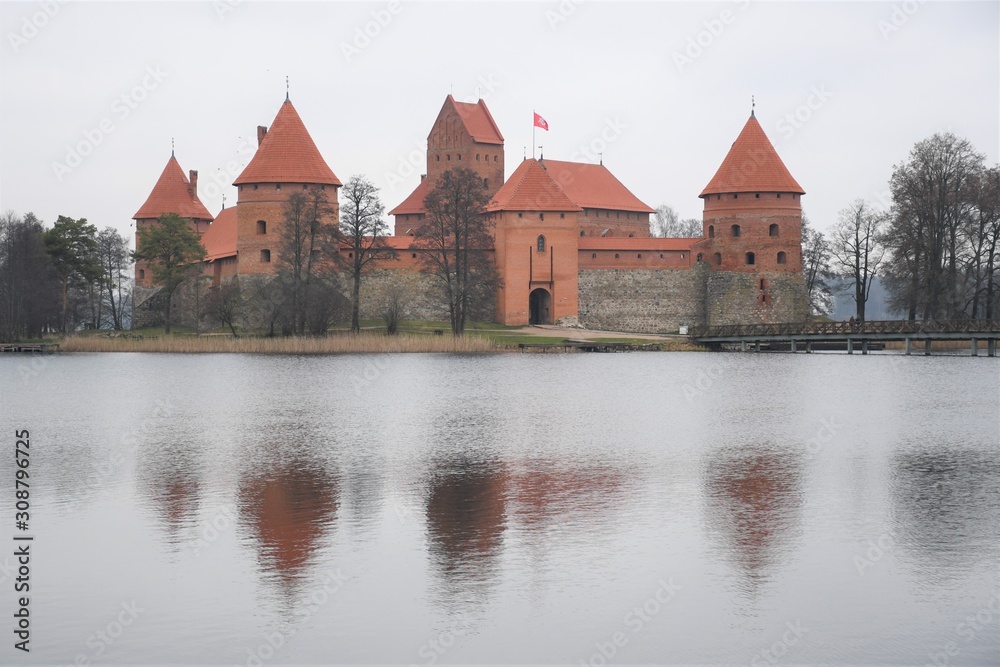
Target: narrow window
column 142, row 273
column 772, row 230
column 494, row 158
column 477, row 157
column 254, row 186
column 736, row 231
column 277, row 186
column 414, row 255
column 779, row 195
column 520, row 215
column 350, row 255
column 718, row 259
column 661, row 255
column 265, row 256
column 639, row 256
column 736, row 196
column 781, row 258
column 593, row 255
column 699, row 256
column 437, row 158
column 582, row 233
column 711, row 231
column 305, row 187
column 486, row 183
column 756, row 195
column 616, row 255
column 763, row 284
column 541, row 243
column 448, row 157
column 459, row 157
column 562, row 215
column 261, row 227
column 541, row 216
column 751, row 258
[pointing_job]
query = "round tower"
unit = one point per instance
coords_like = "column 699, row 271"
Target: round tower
column 752, row 225
column 286, row 161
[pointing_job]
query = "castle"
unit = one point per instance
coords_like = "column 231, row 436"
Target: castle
column 571, row 243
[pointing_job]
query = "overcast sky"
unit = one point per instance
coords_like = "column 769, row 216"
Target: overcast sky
column 92, row 93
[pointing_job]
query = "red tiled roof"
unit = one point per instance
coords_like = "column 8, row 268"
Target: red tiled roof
column 478, row 121
column 593, row 186
column 172, row 194
column 633, row 243
column 287, row 154
column 220, row 239
column 414, row 203
column 752, row 165
column 531, row 188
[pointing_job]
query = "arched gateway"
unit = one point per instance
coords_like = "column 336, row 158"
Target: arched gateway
column 539, row 304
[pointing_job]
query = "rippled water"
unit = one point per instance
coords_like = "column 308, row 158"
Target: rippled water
column 654, row 508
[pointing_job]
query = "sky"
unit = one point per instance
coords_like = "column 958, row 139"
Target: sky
column 93, row 95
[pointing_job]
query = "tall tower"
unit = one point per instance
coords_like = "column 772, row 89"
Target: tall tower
column 173, row 193
column 463, row 135
column 286, row 161
column 752, row 224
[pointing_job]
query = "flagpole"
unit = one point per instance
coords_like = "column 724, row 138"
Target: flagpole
column 532, row 134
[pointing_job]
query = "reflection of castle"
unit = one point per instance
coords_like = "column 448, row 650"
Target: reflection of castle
column 571, row 242
column 289, row 511
column 754, row 502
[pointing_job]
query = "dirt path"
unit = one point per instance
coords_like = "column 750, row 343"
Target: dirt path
column 551, row 330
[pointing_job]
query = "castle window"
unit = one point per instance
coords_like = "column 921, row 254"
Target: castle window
column 781, row 258
column 593, row 255
column 736, row 196
column 448, row 157
column 460, row 157
column 699, row 257
column 277, row 186
column 261, row 227
column 541, row 243
column 142, row 273
column 772, row 230
column 437, row 157
column 763, row 298
column 756, row 195
column 661, row 255
column 718, row 196
column 486, row 183
column 254, row 186
column 520, row 215
column 711, row 231
column 305, row 186
column 414, row 255
column 265, row 256
column 779, row 195
column 616, row 255
column 736, row 231
column 541, row 216
column 562, row 215
column 717, row 258
column 494, row 158
column 477, row 157
column 751, row 258
column 322, row 187
column 631, row 235
column 350, row 255
column 763, row 284
column 639, row 256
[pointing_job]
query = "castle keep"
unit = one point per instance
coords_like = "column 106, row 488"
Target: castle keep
column 570, row 242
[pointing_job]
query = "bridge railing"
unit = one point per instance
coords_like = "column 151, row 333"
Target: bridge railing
column 914, row 327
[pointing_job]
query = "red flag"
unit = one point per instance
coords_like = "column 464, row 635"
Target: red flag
column 541, row 122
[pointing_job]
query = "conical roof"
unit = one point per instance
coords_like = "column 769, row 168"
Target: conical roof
column 173, row 194
column 530, row 188
column 752, row 165
column 287, row 154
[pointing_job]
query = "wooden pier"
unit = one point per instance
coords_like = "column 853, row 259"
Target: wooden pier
column 29, row 347
column 862, row 336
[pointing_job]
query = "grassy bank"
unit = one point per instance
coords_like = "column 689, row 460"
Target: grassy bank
column 341, row 344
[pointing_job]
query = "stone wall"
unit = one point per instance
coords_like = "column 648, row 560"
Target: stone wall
column 642, row 300
column 421, row 294
column 745, row 298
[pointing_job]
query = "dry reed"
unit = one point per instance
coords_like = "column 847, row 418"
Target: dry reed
column 343, row 344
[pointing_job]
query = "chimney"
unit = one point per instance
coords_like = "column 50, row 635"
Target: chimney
column 422, row 177
column 261, row 131
column 193, row 185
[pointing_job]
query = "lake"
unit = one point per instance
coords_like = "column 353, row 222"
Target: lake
column 556, row 509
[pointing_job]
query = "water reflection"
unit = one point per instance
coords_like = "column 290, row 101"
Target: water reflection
column 753, row 500
column 466, row 518
column 942, row 501
column 289, row 511
column 543, row 494
column 167, row 476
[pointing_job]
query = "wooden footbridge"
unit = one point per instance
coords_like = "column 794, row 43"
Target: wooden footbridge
column 805, row 336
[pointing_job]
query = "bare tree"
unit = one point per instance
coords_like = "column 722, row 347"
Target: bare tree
column 857, row 249
column 816, row 268
column 226, row 303
column 113, row 255
column 457, row 236
column 665, row 223
column 307, row 246
column 364, row 232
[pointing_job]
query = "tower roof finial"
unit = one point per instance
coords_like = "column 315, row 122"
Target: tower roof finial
column 171, row 147
column 753, row 105
column 287, row 99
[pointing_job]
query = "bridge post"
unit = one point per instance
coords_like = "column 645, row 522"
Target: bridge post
column 907, row 346
column 793, row 346
column 864, row 346
column 809, row 346
column 927, row 347
column 756, row 346
column 850, row 346
column 991, row 347
column 743, row 345
column 975, row 347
